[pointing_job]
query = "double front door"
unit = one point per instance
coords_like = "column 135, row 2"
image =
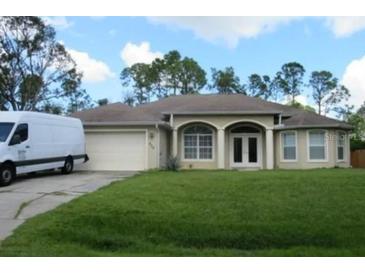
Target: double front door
column 245, row 150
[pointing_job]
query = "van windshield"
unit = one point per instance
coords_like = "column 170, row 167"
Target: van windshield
column 5, row 129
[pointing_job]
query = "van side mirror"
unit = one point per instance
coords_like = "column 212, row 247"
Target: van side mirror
column 15, row 140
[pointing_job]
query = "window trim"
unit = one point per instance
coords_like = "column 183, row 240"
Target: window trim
column 282, row 146
column 344, row 146
column 198, row 146
column 325, row 146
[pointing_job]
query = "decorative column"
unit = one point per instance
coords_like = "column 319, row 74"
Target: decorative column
column 220, row 149
column 269, row 149
column 174, row 143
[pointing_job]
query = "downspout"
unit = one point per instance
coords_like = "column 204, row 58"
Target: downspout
column 158, row 164
column 280, row 120
column 171, row 120
column 171, row 135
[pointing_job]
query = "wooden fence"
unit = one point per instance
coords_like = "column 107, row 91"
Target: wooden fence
column 358, row 158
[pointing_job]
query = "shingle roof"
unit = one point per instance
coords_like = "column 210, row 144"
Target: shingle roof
column 204, row 104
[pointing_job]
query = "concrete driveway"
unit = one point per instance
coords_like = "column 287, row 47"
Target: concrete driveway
column 32, row 195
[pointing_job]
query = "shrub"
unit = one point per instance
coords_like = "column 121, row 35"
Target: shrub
column 173, row 164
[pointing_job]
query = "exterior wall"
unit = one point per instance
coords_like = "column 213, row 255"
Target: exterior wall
column 223, row 121
column 151, row 138
column 218, row 122
column 164, row 147
column 302, row 152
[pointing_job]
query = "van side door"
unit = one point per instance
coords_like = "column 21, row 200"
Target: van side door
column 19, row 146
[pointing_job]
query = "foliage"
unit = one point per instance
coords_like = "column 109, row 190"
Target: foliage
column 35, row 69
column 103, row 102
column 263, row 87
column 226, row 81
column 170, row 75
column 356, row 144
column 192, row 77
column 52, row 108
column 173, row 164
column 129, row 99
column 206, row 213
column 323, row 84
column 361, row 110
column 290, row 79
column 78, row 97
column 358, row 122
column 140, row 76
column 172, row 69
column 298, row 105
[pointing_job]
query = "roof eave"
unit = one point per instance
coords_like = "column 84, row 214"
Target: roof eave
column 222, row 112
column 341, row 126
column 126, row 123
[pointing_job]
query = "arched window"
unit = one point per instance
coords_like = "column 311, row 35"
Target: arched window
column 245, row 129
column 198, row 142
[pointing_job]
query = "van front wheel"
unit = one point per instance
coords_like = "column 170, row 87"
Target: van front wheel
column 6, row 175
column 68, row 166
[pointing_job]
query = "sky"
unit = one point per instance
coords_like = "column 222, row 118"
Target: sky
column 103, row 46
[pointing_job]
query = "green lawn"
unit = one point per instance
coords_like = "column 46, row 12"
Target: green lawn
column 206, row 213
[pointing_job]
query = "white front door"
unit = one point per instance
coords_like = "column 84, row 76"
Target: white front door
column 245, row 150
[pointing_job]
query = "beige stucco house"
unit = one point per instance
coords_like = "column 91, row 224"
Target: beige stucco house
column 212, row 132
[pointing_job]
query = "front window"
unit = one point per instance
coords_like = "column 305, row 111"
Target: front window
column 5, row 129
column 289, row 144
column 317, row 145
column 341, row 141
column 198, row 143
column 22, row 132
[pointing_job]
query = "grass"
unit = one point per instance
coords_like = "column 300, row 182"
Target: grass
column 206, row 213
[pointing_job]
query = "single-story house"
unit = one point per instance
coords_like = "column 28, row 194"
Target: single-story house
column 212, row 132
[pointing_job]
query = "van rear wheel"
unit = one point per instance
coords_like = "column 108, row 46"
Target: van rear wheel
column 7, row 175
column 68, row 166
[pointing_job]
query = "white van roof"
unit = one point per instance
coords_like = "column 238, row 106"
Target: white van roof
column 15, row 116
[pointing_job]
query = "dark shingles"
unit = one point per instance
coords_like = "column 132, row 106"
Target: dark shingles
column 154, row 111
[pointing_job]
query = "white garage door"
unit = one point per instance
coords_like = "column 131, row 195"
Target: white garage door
column 115, row 150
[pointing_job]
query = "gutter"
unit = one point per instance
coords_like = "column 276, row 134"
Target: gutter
column 128, row 123
column 284, row 127
column 258, row 112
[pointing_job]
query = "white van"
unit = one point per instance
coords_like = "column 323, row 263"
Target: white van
column 31, row 141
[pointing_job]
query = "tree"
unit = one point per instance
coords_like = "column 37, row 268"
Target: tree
column 358, row 122
column 34, row 67
column 192, row 77
column 226, row 81
column 159, row 78
column 326, row 91
column 361, row 110
column 259, row 86
column 172, row 69
column 139, row 76
column 129, row 99
column 344, row 112
column 103, row 102
column 290, row 79
column 170, row 75
column 79, row 101
column 52, row 108
column 299, row 105
column 276, row 92
column 78, row 98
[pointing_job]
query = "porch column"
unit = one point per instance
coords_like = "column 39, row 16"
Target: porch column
column 269, row 149
column 220, row 149
column 174, row 143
